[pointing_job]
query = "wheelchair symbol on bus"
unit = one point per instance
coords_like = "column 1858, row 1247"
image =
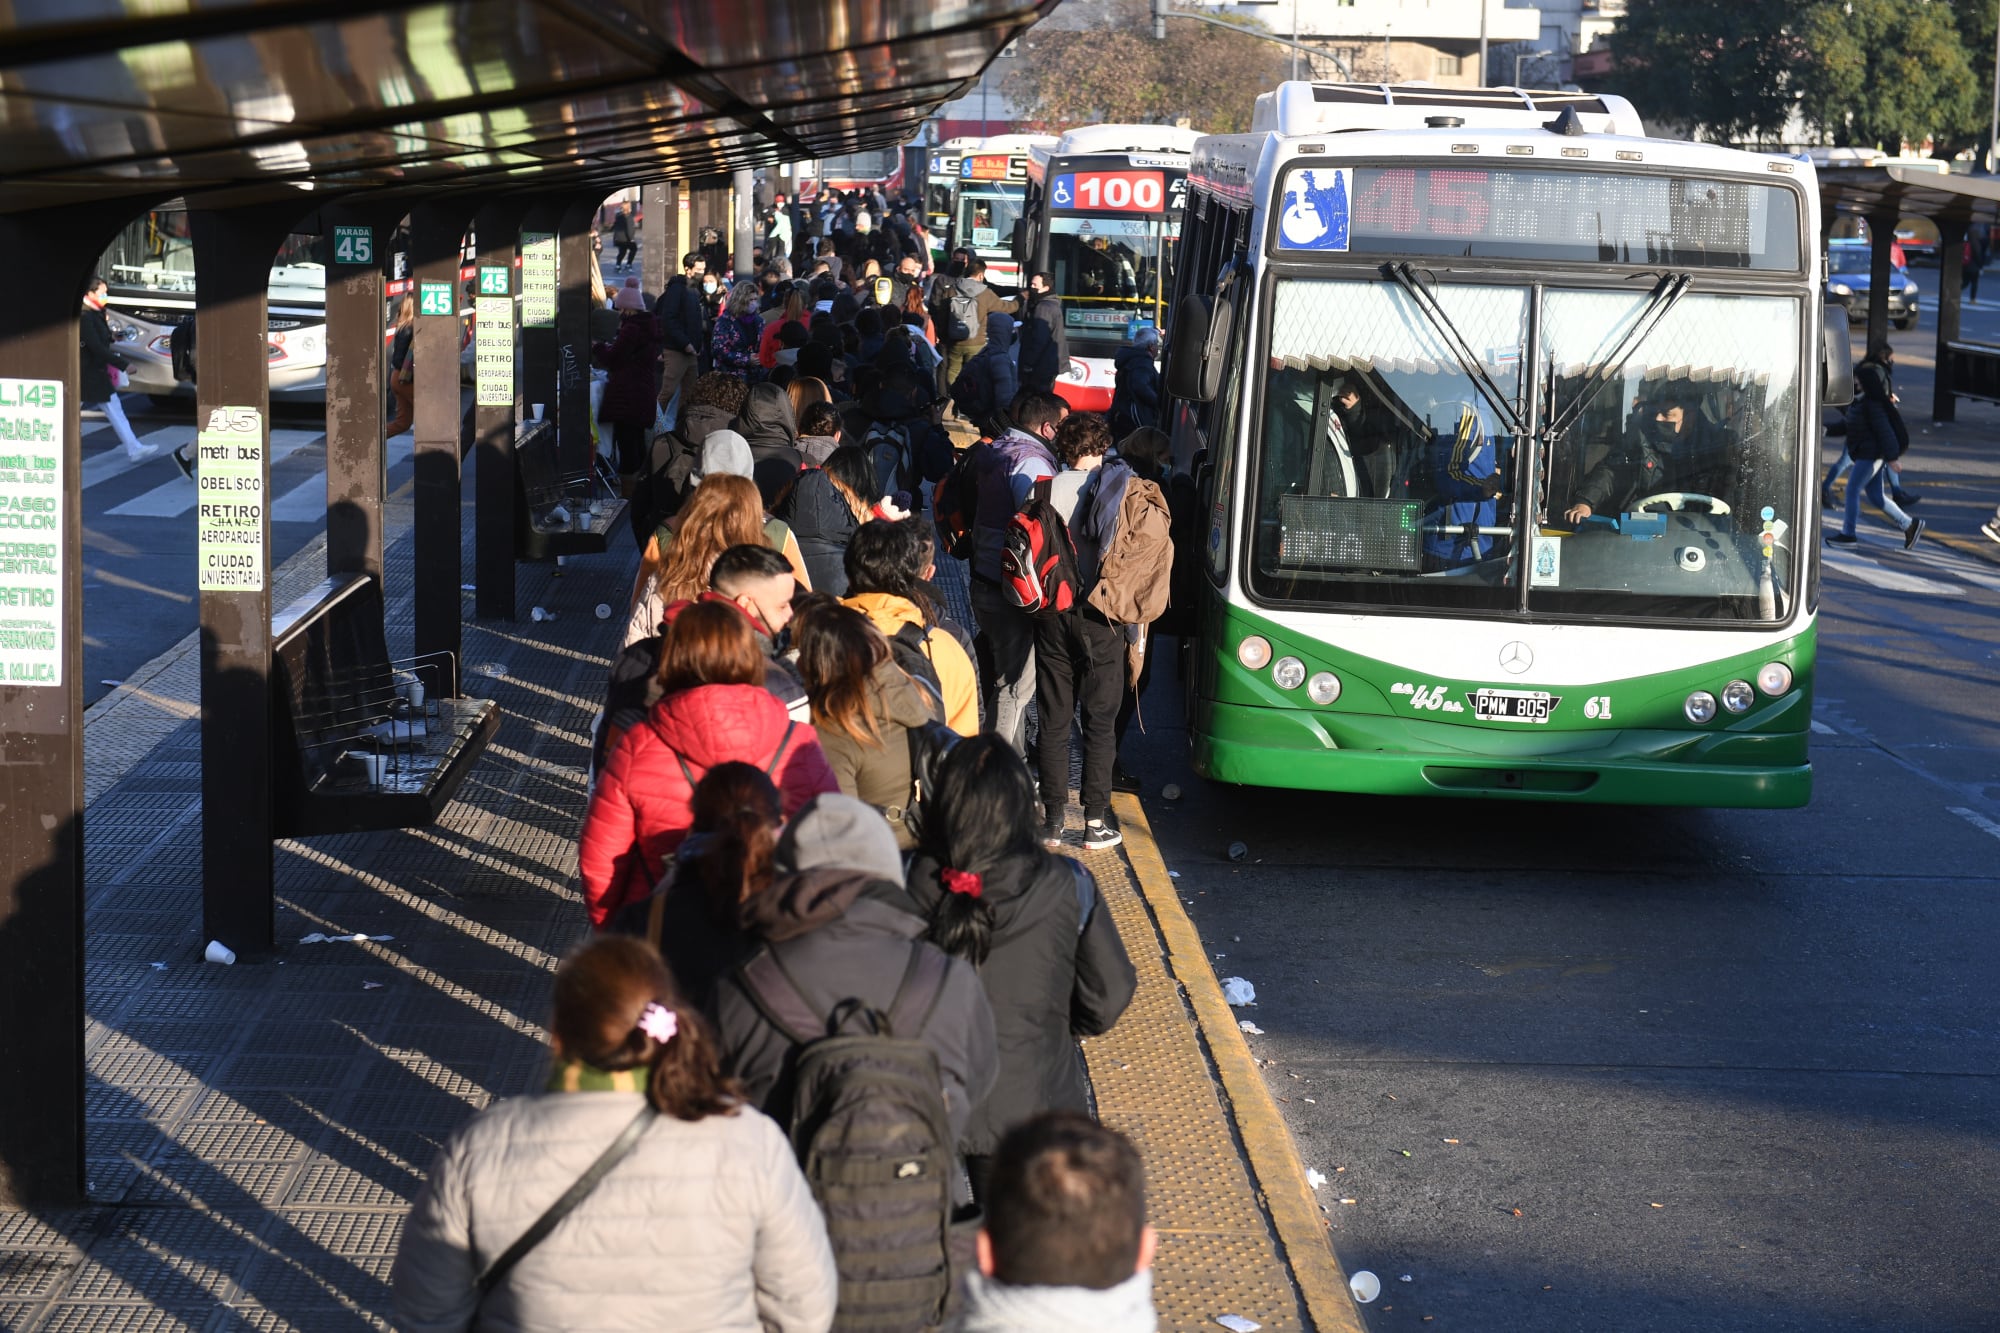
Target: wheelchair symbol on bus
column 1315, row 209
column 1062, row 196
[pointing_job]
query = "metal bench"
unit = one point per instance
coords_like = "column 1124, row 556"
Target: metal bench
column 363, row 742
column 1975, row 370
column 557, row 512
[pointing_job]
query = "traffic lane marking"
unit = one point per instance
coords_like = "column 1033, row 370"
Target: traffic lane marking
column 306, row 502
column 177, row 497
column 112, row 462
column 1977, row 820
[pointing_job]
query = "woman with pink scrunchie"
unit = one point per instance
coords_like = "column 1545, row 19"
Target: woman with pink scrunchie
column 1032, row 922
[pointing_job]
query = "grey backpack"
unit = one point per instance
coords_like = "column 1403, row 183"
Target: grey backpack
column 868, row 1122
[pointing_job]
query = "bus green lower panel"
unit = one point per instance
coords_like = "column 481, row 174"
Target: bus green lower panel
column 1321, row 751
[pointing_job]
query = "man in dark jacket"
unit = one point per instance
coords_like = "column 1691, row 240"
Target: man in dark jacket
column 683, row 331
column 1135, row 402
column 970, row 302
column 838, row 920
column 986, row 387
column 1044, row 346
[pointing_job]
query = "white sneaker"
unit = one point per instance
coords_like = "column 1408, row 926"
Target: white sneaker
column 142, row 453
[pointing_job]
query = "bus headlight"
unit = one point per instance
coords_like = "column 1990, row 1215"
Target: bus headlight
column 1254, row 652
column 1700, row 707
column 1323, row 688
column 1774, row 678
column 1841, row 289
column 1737, row 696
column 1289, row 672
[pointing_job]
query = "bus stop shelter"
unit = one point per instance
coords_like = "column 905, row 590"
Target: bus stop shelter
column 1884, row 194
column 505, row 117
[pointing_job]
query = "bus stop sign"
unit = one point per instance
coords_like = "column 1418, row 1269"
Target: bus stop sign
column 353, row 245
column 434, row 298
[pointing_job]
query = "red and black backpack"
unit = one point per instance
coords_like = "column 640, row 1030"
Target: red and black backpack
column 1038, row 564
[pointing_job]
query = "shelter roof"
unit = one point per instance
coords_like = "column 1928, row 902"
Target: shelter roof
column 247, row 100
column 1908, row 192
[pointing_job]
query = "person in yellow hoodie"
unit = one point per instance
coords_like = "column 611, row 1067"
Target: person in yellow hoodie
column 889, row 564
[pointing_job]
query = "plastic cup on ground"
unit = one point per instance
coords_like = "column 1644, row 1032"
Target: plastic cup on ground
column 1365, row 1286
column 218, row 952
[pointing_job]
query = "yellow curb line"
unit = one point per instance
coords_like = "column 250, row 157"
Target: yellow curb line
column 1274, row 1161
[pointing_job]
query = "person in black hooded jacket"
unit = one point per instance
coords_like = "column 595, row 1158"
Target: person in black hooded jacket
column 837, row 919
column 824, row 508
column 766, row 423
column 1034, row 925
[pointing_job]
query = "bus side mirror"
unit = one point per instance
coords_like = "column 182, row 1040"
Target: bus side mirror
column 1019, row 245
column 1197, row 348
column 1836, row 360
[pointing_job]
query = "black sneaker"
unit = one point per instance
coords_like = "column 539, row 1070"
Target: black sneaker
column 1052, row 829
column 1825, row 498
column 1911, row 533
column 1124, row 780
column 183, row 462
column 1100, row 832
column 1844, row 539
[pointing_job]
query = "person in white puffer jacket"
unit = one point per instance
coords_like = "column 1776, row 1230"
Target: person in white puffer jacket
column 705, row 1223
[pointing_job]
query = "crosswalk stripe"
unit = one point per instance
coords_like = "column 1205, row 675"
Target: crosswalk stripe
column 1971, row 571
column 113, row 462
column 1889, row 580
column 177, row 497
column 306, row 502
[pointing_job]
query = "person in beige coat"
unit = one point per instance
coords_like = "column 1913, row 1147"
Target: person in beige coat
column 706, row 1223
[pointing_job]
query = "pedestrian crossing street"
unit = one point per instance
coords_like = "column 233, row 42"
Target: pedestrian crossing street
column 298, row 483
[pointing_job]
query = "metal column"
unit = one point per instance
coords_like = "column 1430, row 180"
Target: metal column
column 656, row 260
column 1951, row 274
column 1881, row 234
column 496, row 231
column 41, row 746
column 743, row 218
column 356, row 452
column 575, row 259
column 437, row 238
column 233, row 250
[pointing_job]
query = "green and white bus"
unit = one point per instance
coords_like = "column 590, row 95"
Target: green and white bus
column 1504, row 421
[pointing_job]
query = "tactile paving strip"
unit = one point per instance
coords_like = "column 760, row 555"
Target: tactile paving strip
column 1153, row 1082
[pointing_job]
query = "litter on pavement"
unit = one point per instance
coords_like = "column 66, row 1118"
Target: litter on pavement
column 1238, row 991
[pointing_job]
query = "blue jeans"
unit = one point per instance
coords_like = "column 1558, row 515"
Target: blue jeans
column 1868, row 476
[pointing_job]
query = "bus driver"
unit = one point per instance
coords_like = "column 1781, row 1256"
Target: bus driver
column 1679, row 450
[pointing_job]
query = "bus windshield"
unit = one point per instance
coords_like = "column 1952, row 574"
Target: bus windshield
column 1388, row 474
column 986, row 219
column 1110, row 271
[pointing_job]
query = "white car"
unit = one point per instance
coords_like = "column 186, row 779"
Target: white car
column 146, row 304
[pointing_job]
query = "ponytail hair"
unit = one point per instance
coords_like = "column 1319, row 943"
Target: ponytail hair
column 981, row 815
column 616, row 1008
column 734, row 832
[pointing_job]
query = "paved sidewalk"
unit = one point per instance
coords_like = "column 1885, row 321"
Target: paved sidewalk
column 257, row 1133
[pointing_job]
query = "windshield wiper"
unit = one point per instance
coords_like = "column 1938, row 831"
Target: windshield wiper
column 1406, row 278
column 1670, row 288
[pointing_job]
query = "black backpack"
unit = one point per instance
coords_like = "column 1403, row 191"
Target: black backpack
column 869, row 1125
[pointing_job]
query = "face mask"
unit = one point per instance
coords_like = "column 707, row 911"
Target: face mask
column 708, row 286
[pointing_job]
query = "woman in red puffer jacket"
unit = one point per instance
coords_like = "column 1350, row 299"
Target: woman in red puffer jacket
column 715, row 710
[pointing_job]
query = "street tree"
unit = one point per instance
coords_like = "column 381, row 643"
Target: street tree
column 1885, row 73
column 1717, row 69
column 1115, row 71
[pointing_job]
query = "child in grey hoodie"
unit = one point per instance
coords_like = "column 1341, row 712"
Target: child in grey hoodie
column 1065, row 1245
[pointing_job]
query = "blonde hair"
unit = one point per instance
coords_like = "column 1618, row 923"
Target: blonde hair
column 724, row 511
column 743, row 299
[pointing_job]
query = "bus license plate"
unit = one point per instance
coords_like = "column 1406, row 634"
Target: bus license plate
column 1514, row 705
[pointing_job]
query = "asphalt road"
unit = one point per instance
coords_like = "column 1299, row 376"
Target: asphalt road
column 1616, row 1068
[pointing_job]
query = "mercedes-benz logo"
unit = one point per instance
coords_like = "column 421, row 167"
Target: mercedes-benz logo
column 1516, row 657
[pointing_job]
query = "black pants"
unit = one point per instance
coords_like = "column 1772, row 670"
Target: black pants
column 627, row 251
column 629, row 439
column 1079, row 663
